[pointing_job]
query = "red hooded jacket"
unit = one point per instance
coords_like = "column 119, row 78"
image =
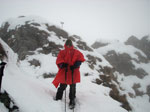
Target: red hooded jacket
column 69, row 56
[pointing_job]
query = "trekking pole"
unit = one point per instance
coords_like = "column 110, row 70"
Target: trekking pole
column 73, row 86
column 72, row 76
column 65, row 88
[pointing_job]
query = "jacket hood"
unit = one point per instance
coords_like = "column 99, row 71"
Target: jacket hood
column 68, row 48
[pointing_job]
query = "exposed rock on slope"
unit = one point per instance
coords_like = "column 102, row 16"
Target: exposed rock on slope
column 142, row 44
column 96, row 44
column 131, row 63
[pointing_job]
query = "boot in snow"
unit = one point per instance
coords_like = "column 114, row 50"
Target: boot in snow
column 72, row 104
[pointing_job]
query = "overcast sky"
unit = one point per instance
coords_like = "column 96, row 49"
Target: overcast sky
column 90, row 19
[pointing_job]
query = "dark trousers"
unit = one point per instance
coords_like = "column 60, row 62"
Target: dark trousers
column 0, row 81
column 1, row 76
column 62, row 87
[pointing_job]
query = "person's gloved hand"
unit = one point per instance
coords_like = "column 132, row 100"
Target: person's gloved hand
column 63, row 65
column 72, row 67
column 3, row 63
column 76, row 65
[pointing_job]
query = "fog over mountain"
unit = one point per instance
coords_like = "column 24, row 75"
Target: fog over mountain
column 114, row 77
column 90, row 19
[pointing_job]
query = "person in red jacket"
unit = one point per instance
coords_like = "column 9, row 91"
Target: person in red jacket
column 68, row 62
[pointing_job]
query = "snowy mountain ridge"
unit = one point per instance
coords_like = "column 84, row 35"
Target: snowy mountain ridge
column 132, row 65
column 37, row 46
column 22, row 20
column 121, row 48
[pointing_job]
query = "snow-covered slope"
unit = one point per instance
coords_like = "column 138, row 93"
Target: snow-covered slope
column 32, row 92
column 134, row 77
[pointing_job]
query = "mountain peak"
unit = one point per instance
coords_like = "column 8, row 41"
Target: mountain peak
column 22, row 20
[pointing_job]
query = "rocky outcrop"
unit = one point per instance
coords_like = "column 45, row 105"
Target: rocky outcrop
column 27, row 38
column 96, row 44
column 92, row 60
column 129, row 59
column 107, row 79
column 142, row 44
column 8, row 102
column 122, row 63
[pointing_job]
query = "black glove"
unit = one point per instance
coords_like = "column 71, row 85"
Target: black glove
column 63, row 65
column 2, row 64
column 76, row 65
column 72, row 67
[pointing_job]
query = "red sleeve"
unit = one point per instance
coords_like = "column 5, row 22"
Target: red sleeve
column 80, row 57
column 60, row 58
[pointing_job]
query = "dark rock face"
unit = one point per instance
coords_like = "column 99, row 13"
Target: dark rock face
column 142, row 44
column 96, row 45
column 49, row 75
column 59, row 32
column 106, row 80
column 82, row 45
column 148, row 91
column 141, row 58
column 114, row 93
column 51, row 48
column 8, row 102
column 35, row 62
column 122, row 63
column 25, row 39
column 92, row 60
column 136, row 89
column 133, row 41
